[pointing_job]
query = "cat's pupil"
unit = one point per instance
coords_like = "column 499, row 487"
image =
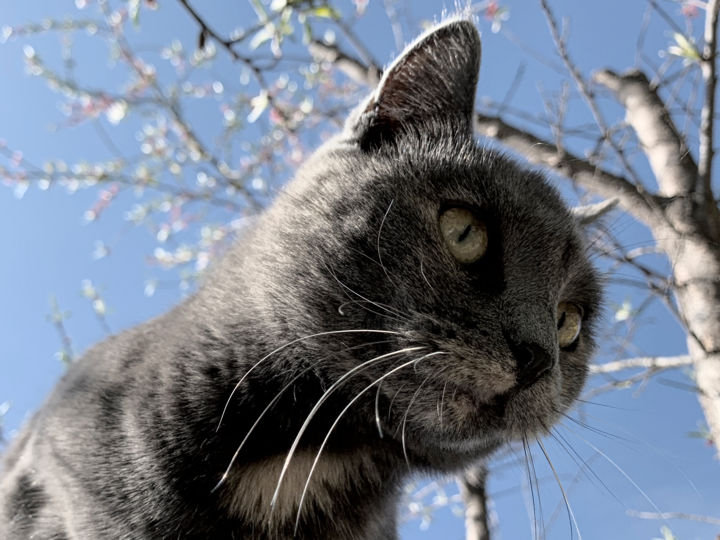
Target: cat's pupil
column 464, row 234
column 561, row 320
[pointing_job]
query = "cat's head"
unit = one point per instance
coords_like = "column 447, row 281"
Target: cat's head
column 472, row 264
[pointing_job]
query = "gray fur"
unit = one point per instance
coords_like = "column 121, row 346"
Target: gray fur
column 130, row 443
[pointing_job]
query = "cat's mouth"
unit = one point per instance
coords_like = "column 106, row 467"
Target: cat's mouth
column 476, row 406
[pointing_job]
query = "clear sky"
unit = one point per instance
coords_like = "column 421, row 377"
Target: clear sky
column 47, row 248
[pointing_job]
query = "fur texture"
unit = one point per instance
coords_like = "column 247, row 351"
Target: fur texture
column 342, row 300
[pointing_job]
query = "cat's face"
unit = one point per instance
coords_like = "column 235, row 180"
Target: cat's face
column 473, row 265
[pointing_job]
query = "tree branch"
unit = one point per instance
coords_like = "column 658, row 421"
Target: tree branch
column 669, row 156
column 654, row 363
column 362, row 73
column 582, row 85
column 472, row 487
column 674, row 515
column 707, row 120
column 593, row 178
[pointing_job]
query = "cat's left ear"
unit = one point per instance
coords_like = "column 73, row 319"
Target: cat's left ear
column 435, row 76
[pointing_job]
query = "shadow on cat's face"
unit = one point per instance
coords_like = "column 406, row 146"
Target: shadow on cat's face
column 474, row 266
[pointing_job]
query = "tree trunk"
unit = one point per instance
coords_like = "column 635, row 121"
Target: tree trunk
column 696, row 269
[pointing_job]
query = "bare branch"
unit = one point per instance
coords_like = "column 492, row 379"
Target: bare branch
column 592, row 212
column 674, row 515
column 472, row 487
column 669, row 156
column 707, row 121
column 358, row 71
column 654, row 363
column 585, row 92
column 591, row 177
column 228, row 44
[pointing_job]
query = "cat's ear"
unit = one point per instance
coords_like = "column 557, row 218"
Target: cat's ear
column 435, row 76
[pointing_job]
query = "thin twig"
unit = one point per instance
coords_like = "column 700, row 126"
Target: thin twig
column 707, row 123
column 647, row 362
column 674, row 515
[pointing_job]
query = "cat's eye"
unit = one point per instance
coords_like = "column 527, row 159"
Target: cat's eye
column 569, row 323
column 465, row 235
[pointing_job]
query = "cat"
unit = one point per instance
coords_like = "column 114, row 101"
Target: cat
column 408, row 304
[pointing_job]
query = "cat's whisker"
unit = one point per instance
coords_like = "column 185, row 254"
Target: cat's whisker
column 393, row 401
column 378, row 423
column 618, row 468
column 581, row 462
column 379, row 235
column 422, row 273
column 538, row 524
column 571, row 514
column 407, row 411
column 360, row 303
column 631, row 441
column 442, row 403
column 594, row 429
column 322, row 400
column 347, row 289
column 275, row 400
column 286, row 345
column 342, row 413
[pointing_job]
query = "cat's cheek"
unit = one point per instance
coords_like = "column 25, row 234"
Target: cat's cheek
column 573, row 376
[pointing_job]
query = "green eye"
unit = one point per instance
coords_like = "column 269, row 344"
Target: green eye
column 569, row 323
column 465, row 235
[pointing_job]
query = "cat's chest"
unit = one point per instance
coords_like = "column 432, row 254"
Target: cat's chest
column 344, row 493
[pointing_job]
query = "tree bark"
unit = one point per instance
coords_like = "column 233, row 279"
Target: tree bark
column 689, row 232
column 473, row 489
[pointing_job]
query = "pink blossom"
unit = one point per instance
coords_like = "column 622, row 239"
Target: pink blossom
column 17, row 157
column 361, row 5
column 275, row 116
column 491, row 10
column 690, row 10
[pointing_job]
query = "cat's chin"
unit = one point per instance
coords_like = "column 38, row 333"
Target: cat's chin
column 468, row 425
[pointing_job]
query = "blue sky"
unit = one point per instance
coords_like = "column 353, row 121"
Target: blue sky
column 47, row 248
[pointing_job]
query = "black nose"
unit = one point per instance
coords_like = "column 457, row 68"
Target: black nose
column 533, row 361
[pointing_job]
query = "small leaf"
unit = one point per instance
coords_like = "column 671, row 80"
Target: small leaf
column 134, row 11
column 259, row 103
column 325, row 12
column 684, row 48
column 264, row 34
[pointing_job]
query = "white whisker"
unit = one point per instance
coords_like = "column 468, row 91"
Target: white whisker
column 442, row 403
column 387, row 417
column 298, row 340
column 538, row 522
column 562, row 489
column 407, row 411
column 322, row 400
column 274, row 400
column 377, row 411
column 339, row 417
column 618, row 468
column 422, row 273
column 379, row 234
column 379, row 305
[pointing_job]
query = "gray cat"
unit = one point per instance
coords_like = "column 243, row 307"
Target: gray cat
column 408, row 304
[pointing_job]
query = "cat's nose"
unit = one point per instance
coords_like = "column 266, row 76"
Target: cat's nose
column 533, row 361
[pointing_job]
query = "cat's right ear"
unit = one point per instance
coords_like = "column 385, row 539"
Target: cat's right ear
column 435, row 76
